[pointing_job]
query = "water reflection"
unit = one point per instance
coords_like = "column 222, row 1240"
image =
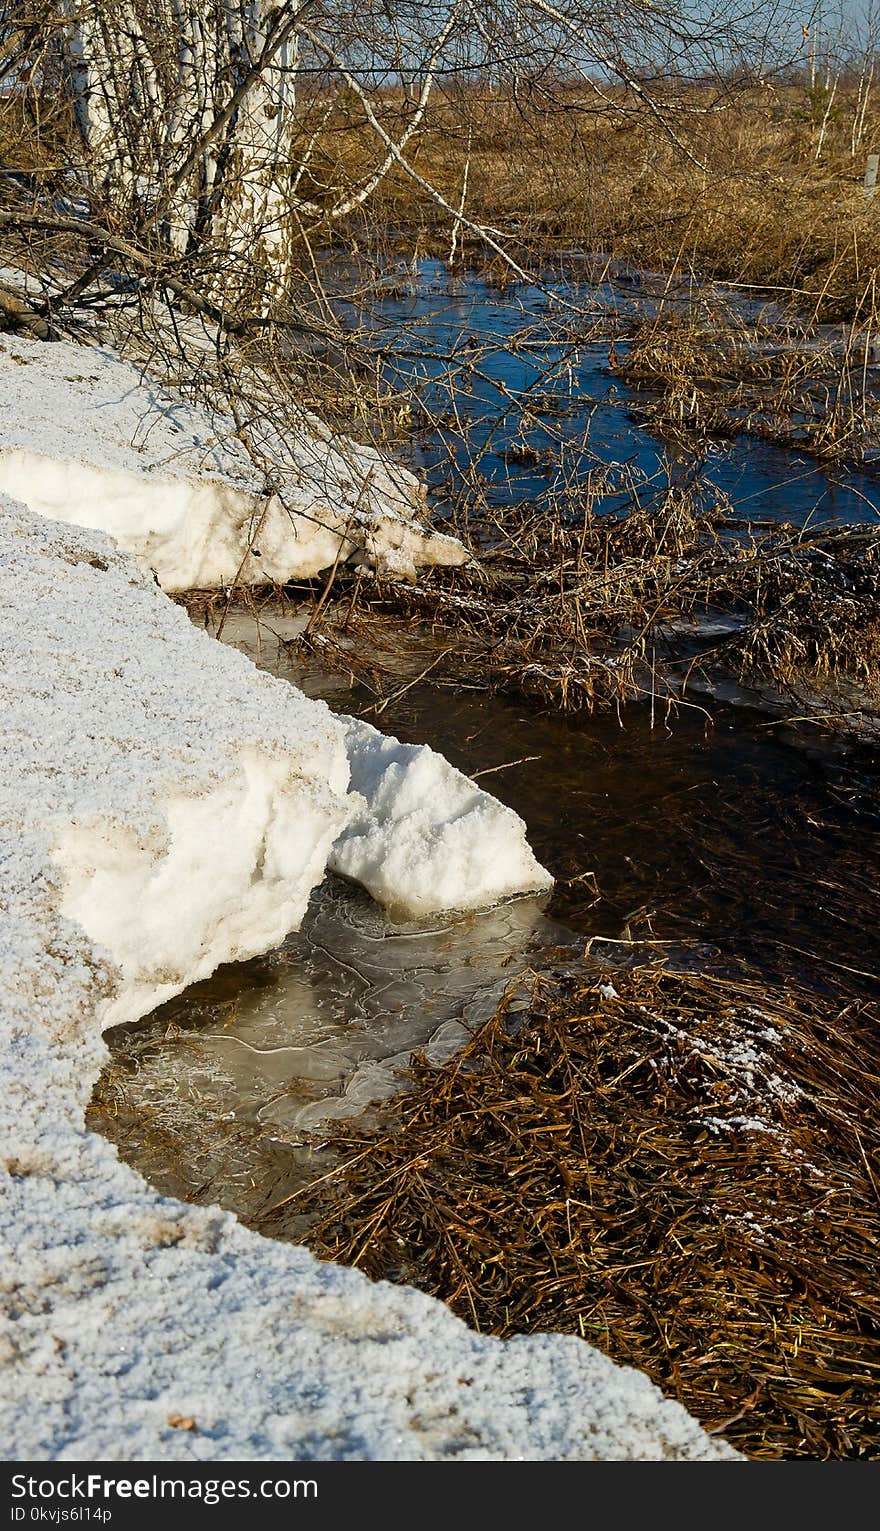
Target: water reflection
column 520, row 390
column 223, row 1087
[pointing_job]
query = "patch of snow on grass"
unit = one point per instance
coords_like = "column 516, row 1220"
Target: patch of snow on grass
column 743, row 1073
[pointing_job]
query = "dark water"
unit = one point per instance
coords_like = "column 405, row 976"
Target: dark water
column 475, row 359
column 723, row 835
column 763, row 847
column 724, row 840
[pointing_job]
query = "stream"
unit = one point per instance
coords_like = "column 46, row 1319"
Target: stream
column 517, row 389
column 722, row 835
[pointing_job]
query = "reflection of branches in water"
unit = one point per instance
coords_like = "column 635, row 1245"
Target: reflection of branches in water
column 137, row 229
column 570, row 605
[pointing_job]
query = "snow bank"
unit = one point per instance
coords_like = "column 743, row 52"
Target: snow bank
column 87, row 438
column 163, row 806
column 187, row 806
column 426, row 838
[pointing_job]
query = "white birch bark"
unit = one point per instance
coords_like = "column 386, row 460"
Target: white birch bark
column 186, row 111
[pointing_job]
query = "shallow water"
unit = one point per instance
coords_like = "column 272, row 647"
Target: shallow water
column 721, row 841
column 722, row 823
column 218, row 1095
column 720, row 834
column 521, row 350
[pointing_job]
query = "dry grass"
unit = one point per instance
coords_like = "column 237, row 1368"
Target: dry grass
column 738, row 194
column 681, row 1169
column 712, row 373
column 589, row 609
column 813, row 604
column 751, row 185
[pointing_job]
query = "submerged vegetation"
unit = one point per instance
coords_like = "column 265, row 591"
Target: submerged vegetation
column 709, row 374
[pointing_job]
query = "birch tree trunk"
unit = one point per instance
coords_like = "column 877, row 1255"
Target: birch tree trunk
column 186, row 113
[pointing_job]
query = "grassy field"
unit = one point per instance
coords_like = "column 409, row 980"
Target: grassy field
column 752, row 184
column 758, row 185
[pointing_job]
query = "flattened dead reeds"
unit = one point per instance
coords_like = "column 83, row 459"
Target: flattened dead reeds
column 588, row 609
column 683, row 1170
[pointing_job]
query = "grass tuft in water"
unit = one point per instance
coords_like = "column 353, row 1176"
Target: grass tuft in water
column 591, row 609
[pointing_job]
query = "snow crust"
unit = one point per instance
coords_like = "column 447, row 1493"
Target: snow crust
column 88, row 438
column 165, row 806
column 426, row 837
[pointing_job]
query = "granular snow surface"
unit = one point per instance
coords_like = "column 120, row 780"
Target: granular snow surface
column 89, row 438
column 165, row 807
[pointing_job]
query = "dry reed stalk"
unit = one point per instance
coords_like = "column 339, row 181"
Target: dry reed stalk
column 591, row 610
column 681, row 1169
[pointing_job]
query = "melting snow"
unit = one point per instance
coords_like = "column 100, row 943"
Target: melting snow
column 90, row 439
column 164, row 807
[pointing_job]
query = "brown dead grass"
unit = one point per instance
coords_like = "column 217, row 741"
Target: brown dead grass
column 583, row 609
column 739, row 189
column 710, row 372
column 681, row 1169
column 739, row 194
